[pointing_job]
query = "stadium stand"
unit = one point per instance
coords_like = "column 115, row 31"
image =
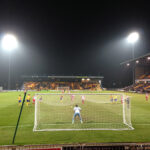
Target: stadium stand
column 142, row 76
column 53, row 83
column 53, row 86
column 140, row 85
column 142, row 73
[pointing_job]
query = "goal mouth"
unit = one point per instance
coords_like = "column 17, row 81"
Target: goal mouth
column 97, row 111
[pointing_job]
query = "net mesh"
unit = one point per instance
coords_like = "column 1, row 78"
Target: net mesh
column 63, row 88
column 98, row 112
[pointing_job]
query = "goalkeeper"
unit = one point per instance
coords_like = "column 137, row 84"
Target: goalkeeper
column 77, row 110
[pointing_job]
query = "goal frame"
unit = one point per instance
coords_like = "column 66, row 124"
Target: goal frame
column 130, row 127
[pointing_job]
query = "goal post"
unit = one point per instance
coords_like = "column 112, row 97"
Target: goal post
column 98, row 111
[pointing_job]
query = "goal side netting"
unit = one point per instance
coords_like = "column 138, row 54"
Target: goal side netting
column 82, row 111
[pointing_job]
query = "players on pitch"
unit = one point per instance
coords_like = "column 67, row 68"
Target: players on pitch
column 113, row 98
column 28, row 99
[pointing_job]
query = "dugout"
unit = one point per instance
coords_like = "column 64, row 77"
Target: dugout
column 54, row 82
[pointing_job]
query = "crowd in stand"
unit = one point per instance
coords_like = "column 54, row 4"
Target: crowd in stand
column 142, row 84
column 139, row 87
column 47, row 85
column 145, row 76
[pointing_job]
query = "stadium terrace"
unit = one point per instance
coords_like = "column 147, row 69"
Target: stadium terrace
column 58, row 82
column 142, row 73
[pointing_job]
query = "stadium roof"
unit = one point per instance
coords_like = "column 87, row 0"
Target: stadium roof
column 131, row 60
column 63, row 77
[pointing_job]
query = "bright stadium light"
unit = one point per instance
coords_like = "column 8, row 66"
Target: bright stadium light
column 128, row 64
column 9, row 43
column 133, row 37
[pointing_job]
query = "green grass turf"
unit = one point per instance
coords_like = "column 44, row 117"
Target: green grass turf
column 97, row 112
column 9, row 111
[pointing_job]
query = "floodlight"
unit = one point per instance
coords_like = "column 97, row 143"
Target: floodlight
column 83, row 79
column 137, row 61
column 88, row 79
column 148, row 58
column 133, row 37
column 9, row 42
column 128, row 64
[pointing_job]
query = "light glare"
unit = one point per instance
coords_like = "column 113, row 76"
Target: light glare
column 9, row 42
column 133, row 37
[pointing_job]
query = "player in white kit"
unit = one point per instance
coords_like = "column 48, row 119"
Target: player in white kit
column 77, row 110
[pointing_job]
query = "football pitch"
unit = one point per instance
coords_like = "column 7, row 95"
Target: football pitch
column 9, row 112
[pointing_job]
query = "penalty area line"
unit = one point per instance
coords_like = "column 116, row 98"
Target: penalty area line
column 141, row 124
column 27, row 125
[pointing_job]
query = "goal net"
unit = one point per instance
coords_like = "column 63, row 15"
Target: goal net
column 77, row 111
column 63, row 88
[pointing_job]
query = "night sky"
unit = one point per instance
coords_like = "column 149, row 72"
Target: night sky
column 73, row 38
